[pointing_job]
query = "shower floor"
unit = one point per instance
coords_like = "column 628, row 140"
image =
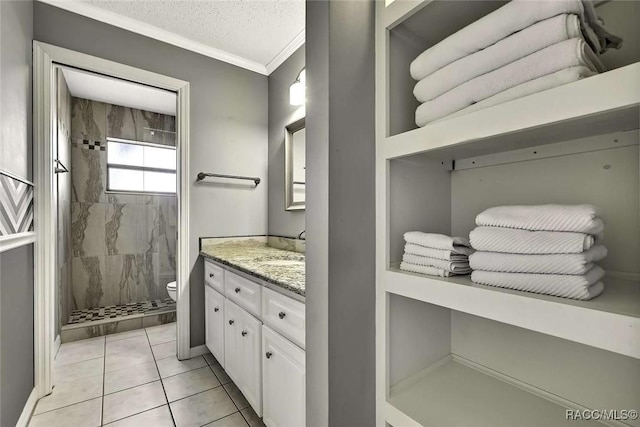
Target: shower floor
column 120, row 311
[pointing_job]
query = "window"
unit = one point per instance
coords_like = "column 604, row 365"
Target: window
column 140, row 167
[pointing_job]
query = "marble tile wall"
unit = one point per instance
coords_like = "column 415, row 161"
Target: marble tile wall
column 123, row 245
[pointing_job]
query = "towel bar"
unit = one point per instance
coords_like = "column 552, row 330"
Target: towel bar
column 203, row 175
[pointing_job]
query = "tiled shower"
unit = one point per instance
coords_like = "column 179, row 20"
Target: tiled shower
column 116, row 251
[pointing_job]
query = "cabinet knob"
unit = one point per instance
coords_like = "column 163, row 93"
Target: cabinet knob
column 216, row 309
column 244, row 333
column 212, row 275
column 231, row 322
column 237, row 290
column 282, row 314
column 268, row 354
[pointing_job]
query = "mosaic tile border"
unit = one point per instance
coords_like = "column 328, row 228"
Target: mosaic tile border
column 16, row 205
column 121, row 311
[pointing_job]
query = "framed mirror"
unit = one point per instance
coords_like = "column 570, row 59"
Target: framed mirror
column 294, row 165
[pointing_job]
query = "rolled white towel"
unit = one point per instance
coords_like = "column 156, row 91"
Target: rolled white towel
column 435, row 241
column 566, row 54
column 550, row 81
column 531, row 39
column 514, row 241
column 457, row 267
column 543, row 264
column 561, row 285
column 459, row 253
column 576, row 218
column 423, row 269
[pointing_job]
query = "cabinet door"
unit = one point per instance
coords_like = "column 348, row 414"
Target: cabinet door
column 251, row 372
column 232, row 351
column 283, row 381
column 214, row 321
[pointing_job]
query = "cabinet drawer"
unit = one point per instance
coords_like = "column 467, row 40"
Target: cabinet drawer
column 244, row 292
column 284, row 315
column 214, row 276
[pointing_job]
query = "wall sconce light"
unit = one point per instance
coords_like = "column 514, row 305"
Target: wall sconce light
column 297, row 89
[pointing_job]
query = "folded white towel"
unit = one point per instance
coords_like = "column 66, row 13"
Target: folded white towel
column 561, row 285
column 458, row 267
column 436, row 241
column 544, row 264
column 576, row 218
column 566, row 54
column 423, row 269
column 529, row 40
column 459, row 253
column 514, row 241
column 540, row 84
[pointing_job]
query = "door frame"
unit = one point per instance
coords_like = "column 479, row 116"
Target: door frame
column 46, row 58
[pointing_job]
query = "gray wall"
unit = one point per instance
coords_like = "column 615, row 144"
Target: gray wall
column 340, row 214
column 16, row 266
column 228, row 128
column 282, row 113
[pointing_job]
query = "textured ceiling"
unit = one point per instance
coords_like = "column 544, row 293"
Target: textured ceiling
column 256, row 30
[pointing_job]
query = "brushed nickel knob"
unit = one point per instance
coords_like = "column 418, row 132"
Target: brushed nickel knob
column 231, row 322
column 244, row 333
column 268, row 354
column 237, row 290
column 282, row 314
column 211, row 275
column 216, row 309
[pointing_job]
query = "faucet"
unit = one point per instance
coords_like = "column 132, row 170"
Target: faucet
column 300, row 235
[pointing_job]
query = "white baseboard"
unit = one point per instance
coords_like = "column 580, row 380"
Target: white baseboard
column 23, row 421
column 56, row 346
column 199, row 350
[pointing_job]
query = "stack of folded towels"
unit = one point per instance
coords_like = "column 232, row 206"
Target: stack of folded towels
column 435, row 254
column 524, row 47
column 546, row 249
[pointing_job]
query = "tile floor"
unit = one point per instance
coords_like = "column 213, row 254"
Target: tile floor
column 134, row 379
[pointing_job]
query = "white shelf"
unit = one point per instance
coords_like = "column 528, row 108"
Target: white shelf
column 452, row 394
column 600, row 104
column 610, row 322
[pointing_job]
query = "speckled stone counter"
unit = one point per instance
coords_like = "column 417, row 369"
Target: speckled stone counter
column 285, row 269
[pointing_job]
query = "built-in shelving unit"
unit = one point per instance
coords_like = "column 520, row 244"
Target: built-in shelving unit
column 454, row 353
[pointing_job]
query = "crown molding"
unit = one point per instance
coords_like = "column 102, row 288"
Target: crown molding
column 286, row 52
column 156, row 33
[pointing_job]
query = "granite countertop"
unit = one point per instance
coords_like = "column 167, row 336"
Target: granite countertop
column 282, row 268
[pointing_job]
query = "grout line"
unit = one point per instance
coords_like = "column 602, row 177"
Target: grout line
column 66, row 406
column 104, row 373
column 195, row 394
column 133, row 415
column 161, row 381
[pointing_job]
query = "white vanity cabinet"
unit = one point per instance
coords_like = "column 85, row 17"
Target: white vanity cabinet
column 283, row 381
column 214, row 320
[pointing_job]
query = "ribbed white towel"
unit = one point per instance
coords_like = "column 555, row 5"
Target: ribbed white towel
column 514, row 241
column 459, row 253
column 423, row 269
column 540, row 84
column 458, row 267
column 561, row 285
column 435, row 241
column 576, row 218
column 566, row 54
column 531, row 39
column 543, row 264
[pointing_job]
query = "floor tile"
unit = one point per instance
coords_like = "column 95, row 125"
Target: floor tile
column 237, row 396
column 189, row 383
column 75, row 371
column 138, row 344
column 173, row 366
column 221, row 374
column 79, row 351
column 162, row 334
column 133, row 401
column 202, row 408
column 130, row 377
column 233, row 420
column 128, row 334
column 252, row 418
column 121, row 361
column 85, row 414
column 70, row 392
column 158, row 417
column 161, row 328
column 162, row 351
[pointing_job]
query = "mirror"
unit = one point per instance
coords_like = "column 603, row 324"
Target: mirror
column 294, row 165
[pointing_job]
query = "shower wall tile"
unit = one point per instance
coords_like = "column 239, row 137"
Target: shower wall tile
column 88, row 229
column 157, row 128
column 125, row 229
column 123, row 122
column 88, row 175
column 132, row 278
column 88, row 278
column 88, row 120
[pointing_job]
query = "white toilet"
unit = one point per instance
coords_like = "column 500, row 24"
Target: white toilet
column 171, row 289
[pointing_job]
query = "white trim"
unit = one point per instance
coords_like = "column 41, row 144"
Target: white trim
column 29, row 406
column 286, row 52
column 12, row 241
column 44, row 134
column 156, row 33
column 200, row 350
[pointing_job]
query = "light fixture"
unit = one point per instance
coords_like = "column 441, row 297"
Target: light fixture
column 297, row 89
